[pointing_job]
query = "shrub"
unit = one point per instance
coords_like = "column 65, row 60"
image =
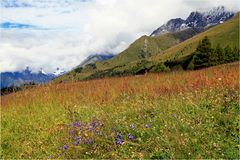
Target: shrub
column 160, row 67
column 141, row 67
column 78, row 70
column 190, row 66
column 91, row 66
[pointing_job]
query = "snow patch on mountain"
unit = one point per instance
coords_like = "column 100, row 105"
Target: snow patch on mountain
column 198, row 19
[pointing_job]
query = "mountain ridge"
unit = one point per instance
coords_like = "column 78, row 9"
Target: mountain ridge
column 18, row 78
column 197, row 19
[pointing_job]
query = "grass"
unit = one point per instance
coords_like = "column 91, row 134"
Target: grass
column 192, row 114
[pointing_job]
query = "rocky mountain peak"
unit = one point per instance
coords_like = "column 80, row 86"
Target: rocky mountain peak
column 198, row 19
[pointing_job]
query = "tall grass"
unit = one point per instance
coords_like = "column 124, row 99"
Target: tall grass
column 170, row 115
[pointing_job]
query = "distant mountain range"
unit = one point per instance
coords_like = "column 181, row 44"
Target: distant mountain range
column 198, row 19
column 18, row 78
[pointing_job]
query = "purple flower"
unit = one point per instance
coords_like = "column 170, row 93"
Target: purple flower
column 119, row 135
column 76, row 124
column 131, row 137
column 118, row 141
column 65, row 147
column 71, row 132
column 87, row 141
column 77, row 141
column 119, row 138
column 94, row 123
column 146, row 126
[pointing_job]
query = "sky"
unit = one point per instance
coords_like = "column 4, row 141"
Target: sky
column 61, row 33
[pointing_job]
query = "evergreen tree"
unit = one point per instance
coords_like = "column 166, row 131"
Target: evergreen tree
column 235, row 53
column 228, row 54
column 202, row 54
column 217, row 56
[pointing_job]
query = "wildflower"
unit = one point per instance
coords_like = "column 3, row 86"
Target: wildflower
column 118, row 141
column 119, row 138
column 71, row 133
column 88, row 141
column 174, row 115
column 77, row 141
column 65, row 147
column 132, row 126
column 146, row 126
column 76, row 124
column 131, row 137
column 94, row 123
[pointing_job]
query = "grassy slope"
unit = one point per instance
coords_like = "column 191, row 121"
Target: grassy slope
column 187, row 117
column 147, row 46
column 143, row 47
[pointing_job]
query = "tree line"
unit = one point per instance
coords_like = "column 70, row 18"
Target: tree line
column 206, row 56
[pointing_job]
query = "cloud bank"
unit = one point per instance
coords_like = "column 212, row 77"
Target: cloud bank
column 62, row 33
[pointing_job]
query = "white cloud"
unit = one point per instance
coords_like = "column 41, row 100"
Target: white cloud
column 74, row 29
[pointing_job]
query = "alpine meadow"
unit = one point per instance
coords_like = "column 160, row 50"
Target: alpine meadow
column 170, row 94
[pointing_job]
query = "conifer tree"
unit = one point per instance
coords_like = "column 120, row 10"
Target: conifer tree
column 202, row 54
column 217, row 56
column 228, row 54
column 235, row 53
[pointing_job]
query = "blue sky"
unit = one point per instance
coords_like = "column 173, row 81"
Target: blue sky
column 61, row 33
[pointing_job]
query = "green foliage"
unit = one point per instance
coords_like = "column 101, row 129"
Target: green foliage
column 202, row 54
column 12, row 89
column 182, row 63
column 206, row 56
column 91, row 66
column 217, row 56
column 160, row 67
column 236, row 54
column 228, row 54
column 78, row 70
column 191, row 66
column 141, row 67
column 231, row 55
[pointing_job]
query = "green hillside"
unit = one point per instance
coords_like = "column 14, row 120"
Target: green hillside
column 147, row 52
column 147, row 46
